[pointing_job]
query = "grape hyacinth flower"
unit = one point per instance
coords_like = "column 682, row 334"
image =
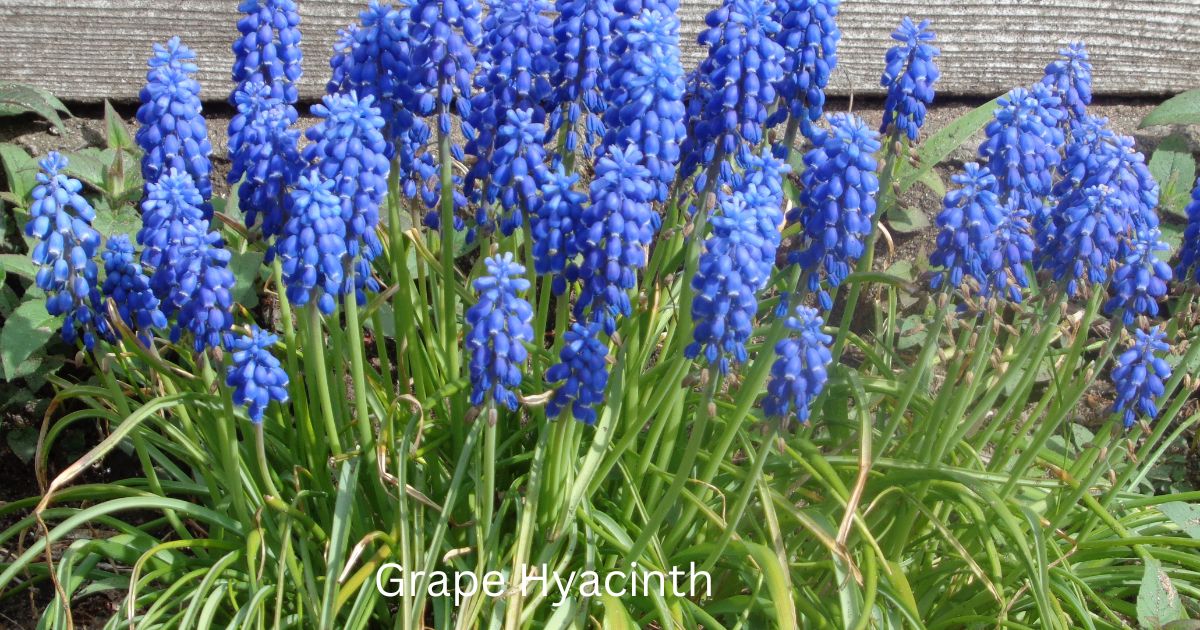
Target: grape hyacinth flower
column 646, row 94
column 1093, row 222
column 499, row 327
column 264, row 155
column 554, row 231
column 348, row 148
column 445, row 34
column 760, row 184
column 312, row 248
column 171, row 213
column 517, row 61
column 809, row 35
column 256, row 376
column 734, row 85
column 618, row 225
column 726, row 284
column 981, row 238
column 204, row 292
column 967, row 224
column 583, row 39
column 800, row 369
column 837, row 203
column 517, row 170
column 61, row 221
column 1189, row 253
column 1070, row 79
column 172, row 132
column 1022, row 146
column 268, row 50
column 1139, row 376
column 909, row 78
column 128, row 286
column 1141, row 280
column 374, row 57
column 585, row 371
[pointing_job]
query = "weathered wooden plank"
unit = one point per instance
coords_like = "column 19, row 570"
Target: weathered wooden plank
column 93, row 49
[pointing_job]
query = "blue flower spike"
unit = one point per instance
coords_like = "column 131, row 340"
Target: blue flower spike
column 801, row 367
column 256, row 376
column 499, row 326
column 583, row 371
column 61, row 221
column 908, row 78
column 172, row 131
column 1139, row 376
column 837, row 203
column 809, row 35
column 128, row 286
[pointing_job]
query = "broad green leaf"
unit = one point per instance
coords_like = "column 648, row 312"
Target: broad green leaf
column 907, row 220
column 246, row 267
column 24, row 333
column 117, row 133
column 1175, row 170
column 90, row 166
column 933, row 181
column 23, row 442
column 1183, row 109
column 123, row 219
column 19, row 264
column 18, row 99
column 615, row 614
column 20, row 170
column 1185, row 515
column 1158, row 602
column 941, row 144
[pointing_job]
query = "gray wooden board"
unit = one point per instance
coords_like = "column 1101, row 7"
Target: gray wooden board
column 88, row 50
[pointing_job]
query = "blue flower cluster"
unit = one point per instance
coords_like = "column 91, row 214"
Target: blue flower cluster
column 445, row 34
column 1139, row 376
column 517, row 64
column 128, row 286
column 375, row 58
column 760, row 184
column 726, row 283
column 809, row 35
column 559, row 218
column 256, row 376
column 583, row 40
column 189, row 265
column 584, row 368
column 1141, row 280
column 1189, row 253
column 313, row 245
column 264, row 155
column 1022, row 145
column 61, row 221
column 1106, row 203
column 645, row 97
column 348, row 148
column 499, row 327
column 981, row 238
column 909, row 78
column 837, row 202
column 800, row 370
column 268, row 50
column 518, row 169
column 172, row 130
column 734, row 85
column 1070, row 79
column 617, row 227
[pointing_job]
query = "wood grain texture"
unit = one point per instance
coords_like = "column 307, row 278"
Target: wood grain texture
column 87, row 50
